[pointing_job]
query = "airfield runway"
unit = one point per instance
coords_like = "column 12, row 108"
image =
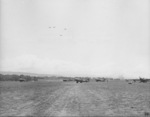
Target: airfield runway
column 74, row 99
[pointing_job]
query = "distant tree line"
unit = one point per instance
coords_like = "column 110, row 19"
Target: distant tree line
column 15, row 77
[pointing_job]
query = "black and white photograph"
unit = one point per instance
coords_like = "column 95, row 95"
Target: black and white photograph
column 75, row 58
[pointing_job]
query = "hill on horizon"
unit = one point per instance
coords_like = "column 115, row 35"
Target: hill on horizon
column 24, row 73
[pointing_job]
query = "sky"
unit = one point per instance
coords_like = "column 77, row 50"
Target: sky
column 76, row 37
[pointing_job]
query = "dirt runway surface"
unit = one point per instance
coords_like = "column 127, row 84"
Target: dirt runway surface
column 82, row 99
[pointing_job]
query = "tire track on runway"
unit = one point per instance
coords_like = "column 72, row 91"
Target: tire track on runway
column 62, row 106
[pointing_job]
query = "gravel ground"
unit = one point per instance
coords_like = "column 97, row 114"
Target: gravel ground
column 72, row 99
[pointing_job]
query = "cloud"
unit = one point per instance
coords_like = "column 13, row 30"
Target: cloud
column 34, row 64
column 31, row 63
column 114, row 69
column 111, row 69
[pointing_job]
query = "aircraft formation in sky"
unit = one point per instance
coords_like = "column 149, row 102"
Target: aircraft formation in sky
column 55, row 27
